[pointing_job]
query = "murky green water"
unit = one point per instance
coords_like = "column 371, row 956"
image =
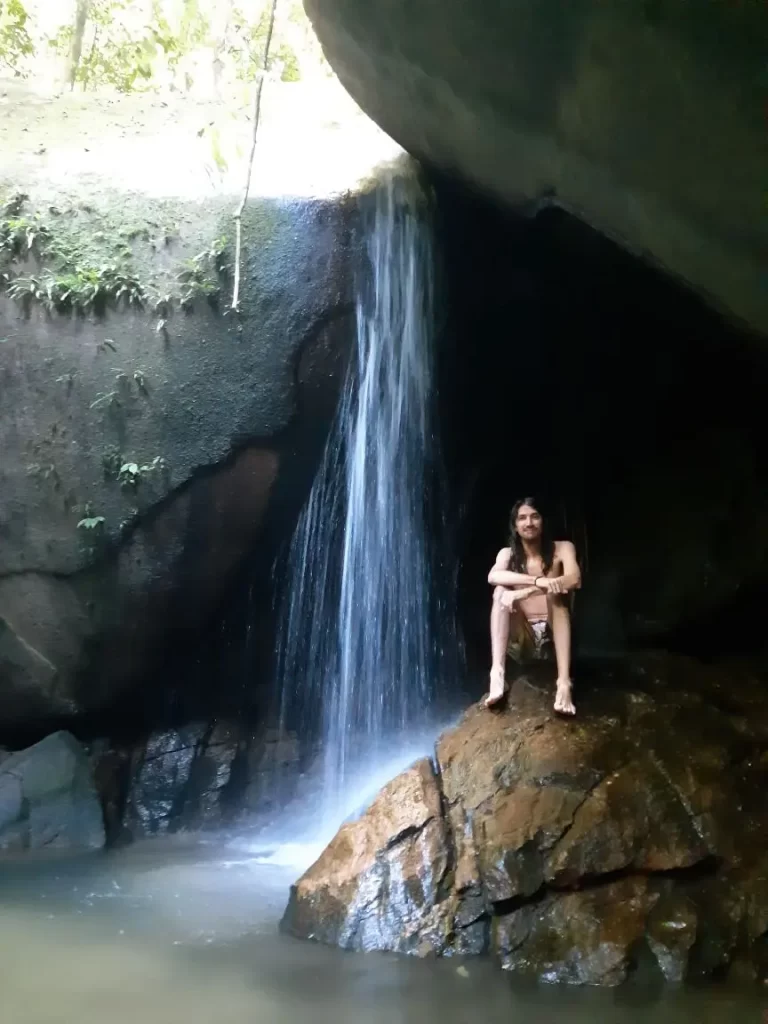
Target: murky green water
column 166, row 934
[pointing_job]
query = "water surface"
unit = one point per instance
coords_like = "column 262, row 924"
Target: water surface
column 171, row 933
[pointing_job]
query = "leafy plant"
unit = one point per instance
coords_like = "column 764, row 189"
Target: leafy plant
column 248, row 45
column 81, row 290
column 110, row 398
column 200, row 277
column 131, row 473
column 91, row 523
column 15, row 41
column 21, row 236
column 119, row 53
column 26, row 290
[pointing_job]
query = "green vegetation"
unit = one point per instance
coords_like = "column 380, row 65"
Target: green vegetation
column 131, row 474
column 66, row 267
column 81, row 289
column 91, row 523
column 145, row 45
column 202, row 276
column 16, row 43
column 60, row 276
column 64, row 259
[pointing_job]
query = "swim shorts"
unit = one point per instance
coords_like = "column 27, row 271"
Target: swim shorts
column 529, row 641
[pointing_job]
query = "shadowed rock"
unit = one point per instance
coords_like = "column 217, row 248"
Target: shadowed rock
column 48, row 798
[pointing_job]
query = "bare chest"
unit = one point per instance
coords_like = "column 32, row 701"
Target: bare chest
column 535, row 566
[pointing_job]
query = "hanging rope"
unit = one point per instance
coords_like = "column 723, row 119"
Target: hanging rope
column 256, row 119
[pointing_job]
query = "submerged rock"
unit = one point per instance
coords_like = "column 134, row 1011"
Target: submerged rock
column 567, row 847
column 48, row 798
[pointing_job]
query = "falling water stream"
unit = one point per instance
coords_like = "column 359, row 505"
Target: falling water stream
column 364, row 635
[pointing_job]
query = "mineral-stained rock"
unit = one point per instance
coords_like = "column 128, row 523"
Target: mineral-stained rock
column 565, row 846
column 583, row 938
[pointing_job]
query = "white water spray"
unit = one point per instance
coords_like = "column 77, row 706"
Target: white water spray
column 362, row 639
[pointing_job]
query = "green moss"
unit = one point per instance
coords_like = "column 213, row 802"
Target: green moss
column 202, row 276
column 80, row 260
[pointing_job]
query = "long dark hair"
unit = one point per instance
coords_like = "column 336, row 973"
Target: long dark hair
column 518, row 562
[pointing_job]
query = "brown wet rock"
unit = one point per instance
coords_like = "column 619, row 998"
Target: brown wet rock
column 515, row 831
column 583, row 938
column 633, row 819
column 564, row 847
column 379, row 883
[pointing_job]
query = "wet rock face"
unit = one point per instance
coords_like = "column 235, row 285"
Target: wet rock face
column 197, row 777
column 376, row 885
column 566, row 848
column 48, row 798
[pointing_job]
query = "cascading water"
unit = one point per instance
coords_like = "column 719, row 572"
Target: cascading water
column 364, row 636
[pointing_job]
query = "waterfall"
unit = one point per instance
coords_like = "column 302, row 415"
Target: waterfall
column 362, row 630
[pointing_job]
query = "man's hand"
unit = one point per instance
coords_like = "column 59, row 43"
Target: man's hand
column 550, row 586
column 510, row 597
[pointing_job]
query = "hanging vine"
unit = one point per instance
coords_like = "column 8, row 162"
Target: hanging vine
column 249, row 171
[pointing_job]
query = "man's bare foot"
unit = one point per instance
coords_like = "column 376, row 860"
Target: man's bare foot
column 563, row 702
column 498, row 687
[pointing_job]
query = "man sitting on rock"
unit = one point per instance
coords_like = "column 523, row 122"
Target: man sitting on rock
column 531, row 579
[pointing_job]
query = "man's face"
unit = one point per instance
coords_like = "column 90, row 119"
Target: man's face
column 528, row 523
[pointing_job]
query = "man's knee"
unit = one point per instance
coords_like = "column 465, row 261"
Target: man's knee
column 498, row 592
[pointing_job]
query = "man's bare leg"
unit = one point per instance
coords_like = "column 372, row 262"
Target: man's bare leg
column 499, row 641
column 560, row 622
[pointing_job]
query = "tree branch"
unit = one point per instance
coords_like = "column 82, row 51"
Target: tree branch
column 256, row 119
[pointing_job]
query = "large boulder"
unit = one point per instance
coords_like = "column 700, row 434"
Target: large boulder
column 643, row 118
column 566, row 848
column 48, row 798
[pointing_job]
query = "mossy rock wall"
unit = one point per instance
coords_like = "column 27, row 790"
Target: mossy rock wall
column 202, row 405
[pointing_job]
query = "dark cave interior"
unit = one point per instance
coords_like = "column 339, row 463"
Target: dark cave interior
column 579, row 373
